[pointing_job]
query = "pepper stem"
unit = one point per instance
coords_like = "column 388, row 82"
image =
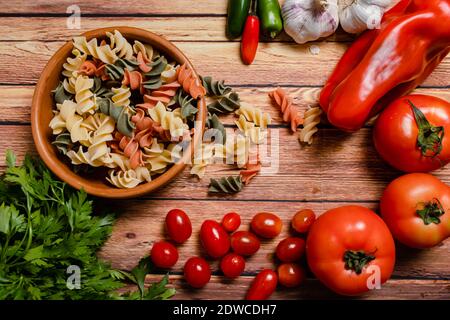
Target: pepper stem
column 431, row 211
column 357, row 260
column 429, row 139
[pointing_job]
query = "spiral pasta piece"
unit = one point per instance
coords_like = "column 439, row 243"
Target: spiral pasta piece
column 128, row 179
column 69, row 83
column 74, row 63
column 250, row 170
column 83, row 95
column 164, row 95
column 67, row 119
column 169, row 74
column 310, row 121
column 255, row 115
column 133, row 80
column 122, row 115
column 99, row 150
column 231, row 184
column 190, row 83
column 121, row 96
column 169, row 120
column 202, row 158
column 121, row 47
column 284, row 102
column 251, row 131
column 145, row 49
column 103, row 52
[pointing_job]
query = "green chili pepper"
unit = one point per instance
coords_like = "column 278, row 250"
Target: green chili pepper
column 270, row 14
column 237, row 14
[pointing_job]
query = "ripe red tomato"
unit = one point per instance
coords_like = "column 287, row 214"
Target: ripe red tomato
column 197, row 272
column 214, row 239
column 350, row 249
column 232, row 265
column 266, row 225
column 231, row 221
column 263, row 285
column 303, row 220
column 164, row 254
column 245, row 243
column 290, row 249
column 178, row 225
column 416, row 208
column 290, row 275
column 411, row 138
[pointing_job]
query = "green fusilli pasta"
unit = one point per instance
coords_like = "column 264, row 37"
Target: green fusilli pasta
column 231, row 184
column 153, row 77
column 121, row 115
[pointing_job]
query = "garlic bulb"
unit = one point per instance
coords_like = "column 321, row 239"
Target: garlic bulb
column 359, row 15
column 309, row 20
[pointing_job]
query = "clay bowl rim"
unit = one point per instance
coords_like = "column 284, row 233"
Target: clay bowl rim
column 42, row 133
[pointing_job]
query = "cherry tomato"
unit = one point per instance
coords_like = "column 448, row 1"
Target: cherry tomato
column 178, row 225
column 290, row 249
column 231, row 221
column 263, row 285
column 409, row 134
column 266, row 225
column 197, row 272
column 232, row 265
column 346, row 246
column 416, row 208
column 164, row 254
column 214, row 239
column 303, row 220
column 245, row 243
column 290, row 275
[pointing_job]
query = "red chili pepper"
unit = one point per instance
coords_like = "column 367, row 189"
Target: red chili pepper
column 250, row 37
column 388, row 63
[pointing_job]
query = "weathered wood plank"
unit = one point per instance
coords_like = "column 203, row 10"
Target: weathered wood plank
column 142, row 223
column 116, row 7
column 337, row 167
column 173, row 28
column 276, row 63
column 15, row 101
column 218, row 288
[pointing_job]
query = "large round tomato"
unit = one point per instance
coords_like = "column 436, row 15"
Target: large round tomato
column 351, row 250
column 413, row 133
column 416, row 207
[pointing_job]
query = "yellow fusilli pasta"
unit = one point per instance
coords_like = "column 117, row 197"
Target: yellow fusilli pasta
column 121, row 97
column 255, row 115
column 121, row 47
column 169, row 120
column 310, row 121
column 104, row 52
column 83, row 95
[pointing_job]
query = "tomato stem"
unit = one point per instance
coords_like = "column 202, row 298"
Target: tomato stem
column 429, row 139
column 431, row 211
column 357, row 260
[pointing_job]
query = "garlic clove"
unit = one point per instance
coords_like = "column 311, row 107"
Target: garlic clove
column 358, row 15
column 309, row 20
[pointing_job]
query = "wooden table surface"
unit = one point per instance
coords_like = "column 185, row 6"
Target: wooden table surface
column 338, row 169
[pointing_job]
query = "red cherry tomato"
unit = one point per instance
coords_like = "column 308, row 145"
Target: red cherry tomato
column 178, row 225
column 214, row 239
column 164, row 254
column 303, row 220
column 231, row 221
column 197, row 272
column 290, row 249
column 263, row 285
column 245, row 243
column 232, row 265
column 266, row 225
column 290, row 275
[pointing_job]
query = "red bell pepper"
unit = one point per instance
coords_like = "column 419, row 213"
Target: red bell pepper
column 386, row 63
column 250, row 36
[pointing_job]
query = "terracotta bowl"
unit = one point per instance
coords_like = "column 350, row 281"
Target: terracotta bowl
column 43, row 104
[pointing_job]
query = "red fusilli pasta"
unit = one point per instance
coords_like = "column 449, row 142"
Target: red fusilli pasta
column 133, row 79
column 284, row 102
column 190, row 82
column 164, row 94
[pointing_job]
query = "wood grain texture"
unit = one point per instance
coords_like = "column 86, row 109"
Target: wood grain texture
column 116, row 7
column 173, row 28
column 218, row 288
column 276, row 63
column 143, row 224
